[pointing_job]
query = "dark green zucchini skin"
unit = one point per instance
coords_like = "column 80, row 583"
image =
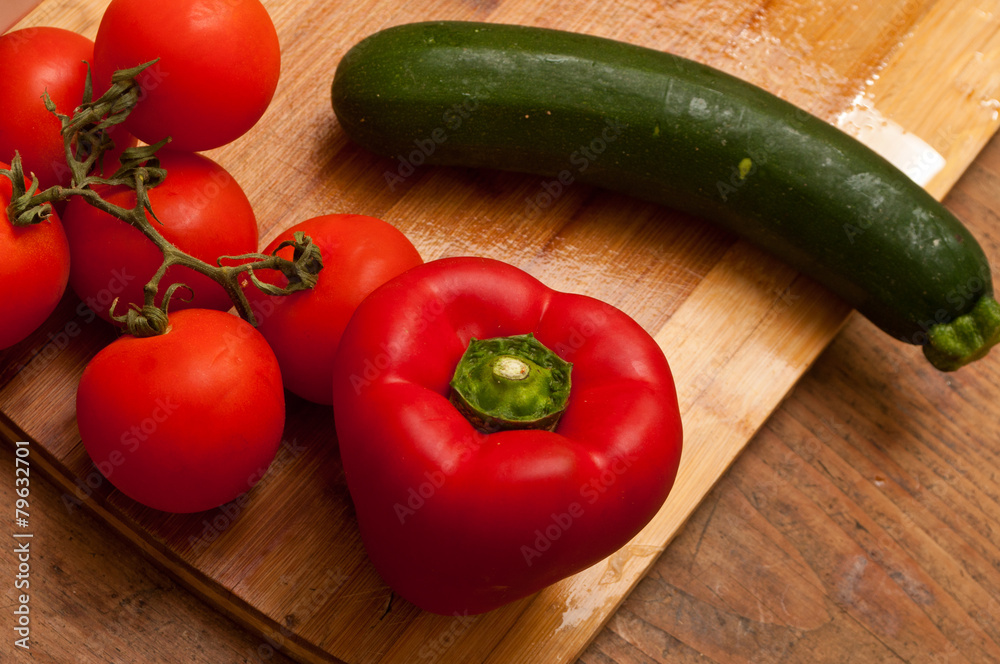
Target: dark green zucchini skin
column 676, row 132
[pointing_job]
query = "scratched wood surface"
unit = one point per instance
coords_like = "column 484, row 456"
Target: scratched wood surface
column 739, row 329
column 854, row 527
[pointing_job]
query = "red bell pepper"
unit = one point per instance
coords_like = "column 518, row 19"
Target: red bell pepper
column 462, row 520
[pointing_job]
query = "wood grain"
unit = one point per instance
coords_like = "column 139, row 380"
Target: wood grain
column 95, row 598
column 739, row 328
column 865, row 502
column 858, row 525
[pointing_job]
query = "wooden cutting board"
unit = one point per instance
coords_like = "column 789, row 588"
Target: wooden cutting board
column 914, row 79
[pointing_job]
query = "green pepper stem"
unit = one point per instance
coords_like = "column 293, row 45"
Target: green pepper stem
column 967, row 338
column 511, row 383
column 511, row 368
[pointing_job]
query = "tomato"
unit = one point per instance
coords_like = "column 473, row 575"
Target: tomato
column 34, row 61
column 203, row 211
column 218, row 66
column 34, row 269
column 360, row 253
column 187, row 420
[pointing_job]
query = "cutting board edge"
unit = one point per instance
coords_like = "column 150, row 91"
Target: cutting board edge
column 165, row 560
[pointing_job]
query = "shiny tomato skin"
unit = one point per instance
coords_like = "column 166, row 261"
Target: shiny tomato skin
column 360, row 253
column 34, row 61
column 185, row 421
column 203, row 211
column 34, row 271
column 219, row 63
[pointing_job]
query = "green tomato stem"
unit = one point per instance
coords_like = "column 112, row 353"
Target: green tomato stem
column 86, row 140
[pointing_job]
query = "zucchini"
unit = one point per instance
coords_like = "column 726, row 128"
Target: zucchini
column 580, row 108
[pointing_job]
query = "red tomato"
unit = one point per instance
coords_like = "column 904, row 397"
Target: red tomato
column 218, row 66
column 34, row 270
column 360, row 253
column 187, row 420
column 203, row 211
column 33, row 61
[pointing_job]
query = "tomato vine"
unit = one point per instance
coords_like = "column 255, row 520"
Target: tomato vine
column 86, row 140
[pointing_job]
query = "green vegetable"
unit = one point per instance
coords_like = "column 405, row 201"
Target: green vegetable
column 511, row 383
column 578, row 108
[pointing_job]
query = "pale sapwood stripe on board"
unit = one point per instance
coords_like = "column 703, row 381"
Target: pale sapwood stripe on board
column 718, row 426
column 955, row 107
column 750, row 579
column 720, row 420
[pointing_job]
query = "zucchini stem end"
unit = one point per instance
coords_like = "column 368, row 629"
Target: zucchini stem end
column 967, row 338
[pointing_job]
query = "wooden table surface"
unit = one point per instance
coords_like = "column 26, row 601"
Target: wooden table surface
column 859, row 525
